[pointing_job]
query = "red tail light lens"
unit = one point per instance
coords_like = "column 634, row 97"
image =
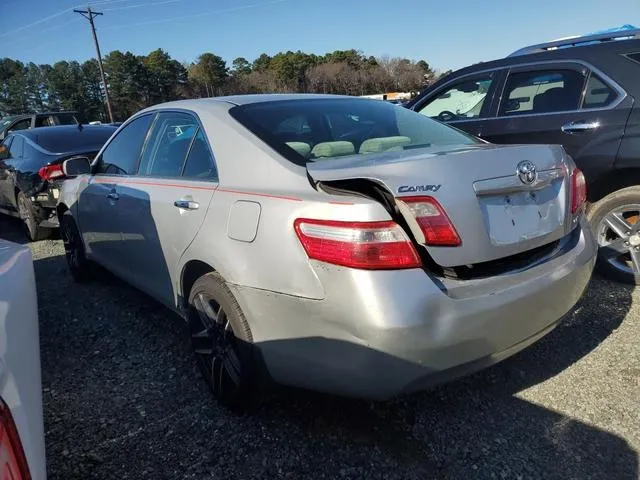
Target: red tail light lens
column 578, row 190
column 51, row 172
column 13, row 463
column 433, row 221
column 365, row 245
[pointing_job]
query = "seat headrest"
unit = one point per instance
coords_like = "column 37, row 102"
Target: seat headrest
column 383, row 144
column 333, row 149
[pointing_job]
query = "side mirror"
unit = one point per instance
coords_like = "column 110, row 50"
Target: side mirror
column 76, row 166
column 4, row 152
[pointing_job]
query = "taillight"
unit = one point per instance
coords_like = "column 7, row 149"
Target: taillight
column 51, row 172
column 433, row 221
column 365, row 245
column 578, row 190
column 13, row 463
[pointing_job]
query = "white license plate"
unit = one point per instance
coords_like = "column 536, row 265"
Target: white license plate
column 522, row 216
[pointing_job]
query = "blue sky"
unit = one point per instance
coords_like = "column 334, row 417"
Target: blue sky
column 448, row 34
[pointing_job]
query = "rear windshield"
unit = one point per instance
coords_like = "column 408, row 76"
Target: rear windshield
column 319, row 129
column 62, row 140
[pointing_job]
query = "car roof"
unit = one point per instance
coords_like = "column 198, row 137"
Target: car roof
column 243, row 100
column 63, row 134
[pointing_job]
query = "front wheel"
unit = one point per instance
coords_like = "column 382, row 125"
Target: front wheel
column 615, row 221
column 221, row 340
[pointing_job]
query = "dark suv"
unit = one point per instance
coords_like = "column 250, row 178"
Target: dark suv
column 579, row 93
column 36, row 120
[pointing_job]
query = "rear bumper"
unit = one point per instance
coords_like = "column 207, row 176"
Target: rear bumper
column 378, row 334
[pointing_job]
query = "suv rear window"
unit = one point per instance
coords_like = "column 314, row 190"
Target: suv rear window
column 317, row 129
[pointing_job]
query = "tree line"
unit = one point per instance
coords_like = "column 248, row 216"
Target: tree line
column 137, row 81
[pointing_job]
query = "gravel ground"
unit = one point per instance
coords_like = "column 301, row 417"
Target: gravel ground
column 124, row 399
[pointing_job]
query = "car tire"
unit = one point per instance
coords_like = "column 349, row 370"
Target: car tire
column 29, row 215
column 615, row 221
column 77, row 262
column 222, row 342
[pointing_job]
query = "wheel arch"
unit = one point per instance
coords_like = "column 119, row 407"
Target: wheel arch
column 191, row 271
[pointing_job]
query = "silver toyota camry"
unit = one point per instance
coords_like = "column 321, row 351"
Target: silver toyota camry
column 333, row 243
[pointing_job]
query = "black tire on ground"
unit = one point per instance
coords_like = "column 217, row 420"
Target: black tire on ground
column 30, row 216
column 222, row 341
column 79, row 267
column 615, row 221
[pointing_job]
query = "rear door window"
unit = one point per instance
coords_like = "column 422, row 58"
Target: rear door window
column 44, row 121
column 542, row 91
column 461, row 101
column 121, row 156
column 168, row 145
column 65, row 119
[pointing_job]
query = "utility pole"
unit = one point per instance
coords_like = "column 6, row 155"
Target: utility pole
column 89, row 15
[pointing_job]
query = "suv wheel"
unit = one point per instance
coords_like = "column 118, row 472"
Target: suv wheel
column 616, row 224
column 29, row 215
column 221, row 340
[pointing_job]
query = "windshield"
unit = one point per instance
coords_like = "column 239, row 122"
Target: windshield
column 318, row 129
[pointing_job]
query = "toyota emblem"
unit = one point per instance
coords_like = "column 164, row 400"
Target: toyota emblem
column 527, row 172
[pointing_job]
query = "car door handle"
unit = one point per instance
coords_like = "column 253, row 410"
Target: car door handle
column 186, row 204
column 579, row 127
column 113, row 196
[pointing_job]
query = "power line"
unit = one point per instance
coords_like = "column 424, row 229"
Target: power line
column 55, row 15
column 89, row 15
column 140, row 5
column 196, row 15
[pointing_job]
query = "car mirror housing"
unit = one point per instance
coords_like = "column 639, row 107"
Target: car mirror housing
column 76, row 166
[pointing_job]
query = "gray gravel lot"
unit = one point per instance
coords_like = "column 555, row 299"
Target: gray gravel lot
column 124, row 399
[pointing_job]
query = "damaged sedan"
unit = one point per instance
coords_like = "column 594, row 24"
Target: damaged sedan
column 343, row 245
column 31, row 171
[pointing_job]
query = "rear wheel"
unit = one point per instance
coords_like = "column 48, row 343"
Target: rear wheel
column 221, row 340
column 616, row 224
column 29, row 214
column 79, row 266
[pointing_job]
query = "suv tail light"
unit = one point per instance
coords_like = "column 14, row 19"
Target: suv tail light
column 578, row 190
column 433, row 221
column 13, row 463
column 365, row 245
column 51, row 172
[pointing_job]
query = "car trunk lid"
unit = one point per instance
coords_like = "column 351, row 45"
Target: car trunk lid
column 495, row 202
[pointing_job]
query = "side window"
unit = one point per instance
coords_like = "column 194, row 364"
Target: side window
column 199, row 160
column 21, row 125
column 463, row 100
column 64, row 119
column 543, row 91
column 46, row 121
column 121, row 156
column 598, row 94
column 168, row 144
column 17, row 147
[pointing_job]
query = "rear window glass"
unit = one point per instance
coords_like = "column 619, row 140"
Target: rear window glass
column 56, row 140
column 598, row 94
column 320, row 129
